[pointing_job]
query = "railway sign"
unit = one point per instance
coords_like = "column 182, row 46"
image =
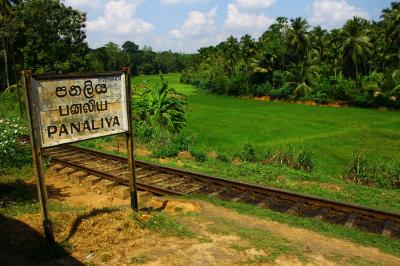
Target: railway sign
column 73, row 107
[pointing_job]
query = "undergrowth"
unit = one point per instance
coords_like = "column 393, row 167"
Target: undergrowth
column 378, row 173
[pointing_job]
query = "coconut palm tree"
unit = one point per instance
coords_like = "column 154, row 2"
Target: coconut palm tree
column 355, row 45
column 391, row 25
column 299, row 37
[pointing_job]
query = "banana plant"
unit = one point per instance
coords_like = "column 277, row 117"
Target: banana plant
column 161, row 106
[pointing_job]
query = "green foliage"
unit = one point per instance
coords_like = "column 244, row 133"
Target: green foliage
column 164, row 144
column 354, row 64
column 263, row 89
column 199, row 155
column 222, row 157
column 160, row 106
column 248, row 153
column 298, row 159
column 384, row 174
column 51, row 37
column 12, row 152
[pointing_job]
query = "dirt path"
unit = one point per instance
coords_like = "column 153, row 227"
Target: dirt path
column 221, row 236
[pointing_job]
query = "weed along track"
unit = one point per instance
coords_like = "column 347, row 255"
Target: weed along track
column 161, row 180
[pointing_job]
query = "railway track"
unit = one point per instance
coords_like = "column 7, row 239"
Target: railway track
column 162, row 180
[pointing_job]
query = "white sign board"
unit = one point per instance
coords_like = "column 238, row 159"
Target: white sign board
column 74, row 109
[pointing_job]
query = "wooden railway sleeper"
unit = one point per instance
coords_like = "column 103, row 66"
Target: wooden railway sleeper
column 218, row 192
column 351, row 219
column 295, row 207
column 388, row 228
column 265, row 202
column 76, row 160
column 242, row 196
column 148, row 174
column 322, row 212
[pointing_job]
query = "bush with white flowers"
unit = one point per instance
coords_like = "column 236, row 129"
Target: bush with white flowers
column 12, row 152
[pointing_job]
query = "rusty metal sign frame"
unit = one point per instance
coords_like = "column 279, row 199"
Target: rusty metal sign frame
column 34, row 122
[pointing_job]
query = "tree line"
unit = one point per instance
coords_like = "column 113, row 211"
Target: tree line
column 48, row 37
column 358, row 64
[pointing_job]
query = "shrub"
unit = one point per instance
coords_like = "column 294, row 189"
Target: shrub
column 247, row 154
column 12, row 152
column 144, row 130
column 165, row 144
column 236, row 85
column 282, row 93
column 200, row 156
column 290, row 157
column 323, row 93
column 384, row 174
column 262, row 89
column 222, row 157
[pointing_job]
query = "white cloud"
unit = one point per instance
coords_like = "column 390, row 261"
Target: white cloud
column 236, row 20
column 83, row 3
column 173, row 2
column 198, row 30
column 197, row 23
column 117, row 23
column 254, row 3
column 333, row 13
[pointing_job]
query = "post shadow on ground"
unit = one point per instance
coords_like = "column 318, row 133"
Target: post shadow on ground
column 23, row 192
column 22, row 245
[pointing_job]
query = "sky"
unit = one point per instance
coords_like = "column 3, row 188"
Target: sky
column 187, row 25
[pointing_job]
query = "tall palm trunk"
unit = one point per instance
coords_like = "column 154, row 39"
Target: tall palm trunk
column 16, row 79
column 6, row 64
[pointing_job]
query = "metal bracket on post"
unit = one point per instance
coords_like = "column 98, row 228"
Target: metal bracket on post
column 37, row 156
column 130, row 143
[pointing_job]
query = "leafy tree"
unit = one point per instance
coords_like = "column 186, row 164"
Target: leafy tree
column 52, row 37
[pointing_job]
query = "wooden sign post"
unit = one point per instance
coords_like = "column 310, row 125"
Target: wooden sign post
column 68, row 108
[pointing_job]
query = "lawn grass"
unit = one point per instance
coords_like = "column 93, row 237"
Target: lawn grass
column 225, row 124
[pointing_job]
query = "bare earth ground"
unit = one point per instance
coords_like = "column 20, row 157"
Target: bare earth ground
column 101, row 236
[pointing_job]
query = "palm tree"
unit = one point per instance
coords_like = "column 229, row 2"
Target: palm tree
column 318, row 40
column 355, row 45
column 299, row 37
column 391, row 25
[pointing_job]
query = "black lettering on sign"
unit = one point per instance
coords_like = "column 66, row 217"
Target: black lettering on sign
column 116, row 121
column 75, row 90
column 88, row 90
column 61, row 111
column 93, row 126
column 76, row 127
column 63, row 130
column 51, row 130
column 108, row 121
column 86, row 126
column 61, row 92
column 101, row 88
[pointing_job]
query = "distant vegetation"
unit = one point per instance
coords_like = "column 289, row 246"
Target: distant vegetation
column 358, row 64
column 48, row 37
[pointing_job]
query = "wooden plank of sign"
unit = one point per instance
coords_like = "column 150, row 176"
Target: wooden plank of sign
column 76, row 109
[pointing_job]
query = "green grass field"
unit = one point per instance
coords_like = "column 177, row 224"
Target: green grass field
column 225, row 124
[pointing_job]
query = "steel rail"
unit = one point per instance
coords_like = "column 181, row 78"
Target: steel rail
column 264, row 190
